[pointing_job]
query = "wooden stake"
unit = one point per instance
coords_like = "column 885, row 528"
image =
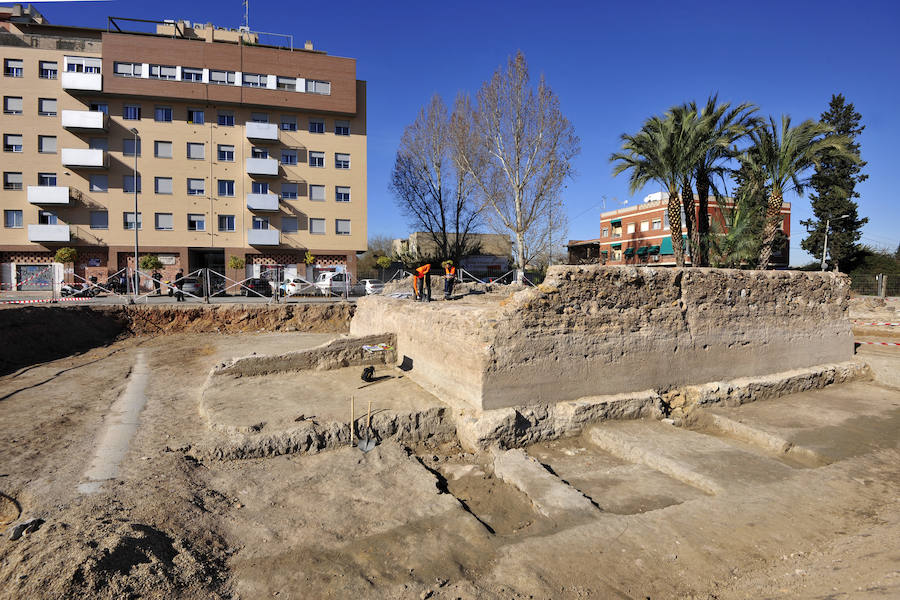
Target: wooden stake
column 369, row 419
column 352, row 417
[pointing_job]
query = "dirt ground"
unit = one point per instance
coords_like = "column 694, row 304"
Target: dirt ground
column 433, row 521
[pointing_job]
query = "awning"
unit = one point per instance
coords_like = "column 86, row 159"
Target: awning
column 604, row 252
column 642, row 250
column 629, row 251
column 654, row 249
column 616, row 246
column 616, row 222
column 666, row 245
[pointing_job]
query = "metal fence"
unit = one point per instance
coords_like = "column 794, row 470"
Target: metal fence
column 872, row 284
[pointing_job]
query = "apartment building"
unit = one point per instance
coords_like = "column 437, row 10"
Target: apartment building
column 640, row 235
column 239, row 149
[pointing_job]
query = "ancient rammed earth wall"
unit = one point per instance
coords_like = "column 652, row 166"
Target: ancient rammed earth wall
column 605, row 330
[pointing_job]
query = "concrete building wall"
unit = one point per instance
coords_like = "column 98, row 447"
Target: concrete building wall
column 597, row 330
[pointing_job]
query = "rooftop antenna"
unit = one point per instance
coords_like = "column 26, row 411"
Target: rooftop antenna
column 246, row 4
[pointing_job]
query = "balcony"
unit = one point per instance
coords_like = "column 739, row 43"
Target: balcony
column 85, row 158
column 262, row 202
column 261, row 166
column 86, row 120
column 81, row 82
column 263, row 237
column 55, row 195
column 265, row 132
column 48, row 233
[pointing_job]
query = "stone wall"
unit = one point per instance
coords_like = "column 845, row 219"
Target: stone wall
column 592, row 330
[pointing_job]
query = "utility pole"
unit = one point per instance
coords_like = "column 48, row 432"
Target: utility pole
column 825, row 245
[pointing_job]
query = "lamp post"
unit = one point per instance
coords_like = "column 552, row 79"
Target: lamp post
column 134, row 182
column 825, row 245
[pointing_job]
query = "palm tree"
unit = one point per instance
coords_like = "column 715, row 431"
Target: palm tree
column 657, row 153
column 785, row 156
column 718, row 128
column 735, row 241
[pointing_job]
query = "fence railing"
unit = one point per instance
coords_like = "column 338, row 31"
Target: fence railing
column 875, row 284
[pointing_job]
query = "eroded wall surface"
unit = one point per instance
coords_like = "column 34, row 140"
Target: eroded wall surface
column 590, row 330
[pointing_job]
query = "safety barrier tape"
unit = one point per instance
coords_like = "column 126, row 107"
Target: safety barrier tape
column 43, row 300
column 880, row 343
column 855, row 322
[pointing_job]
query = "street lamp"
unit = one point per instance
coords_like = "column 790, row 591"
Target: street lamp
column 825, row 245
column 134, row 183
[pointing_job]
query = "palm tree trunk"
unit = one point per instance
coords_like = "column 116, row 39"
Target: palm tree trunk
column 675, row 228
column 687, row 201
column 773, row 217
column 703, row 221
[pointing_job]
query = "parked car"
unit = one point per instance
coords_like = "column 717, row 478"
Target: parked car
column 258, row 285
column 290, row 287
column 192, row 285
column 333, row 282
column 372, row 286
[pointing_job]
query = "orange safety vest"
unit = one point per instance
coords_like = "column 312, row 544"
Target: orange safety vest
column 422, row 271
column 450, row 271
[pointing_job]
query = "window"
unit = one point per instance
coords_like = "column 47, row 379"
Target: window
column 317, row 159
column 617, row 255
column 131, row 147
column 12, row 181
column 163, row 72
column 289, row 191
column 342, row 128
column 82, row 64
column 341, row 161
column 100, row 107
column 125, row 69
column 226, row 223
column 47, row 69
column 99, row 219
column 221, row 77
column 196, row 116
column 657, row 223
column 196, row 151
column 226, row 153
column 128, row 220
column 47, row 107
column 617, row 231
column 131, row 112
column 288, row 123
column 286, row 83
column 255, row 80
column 12, row 142
column 196, row 187
column 317, row 226
column 226, row 119
column 317, row 193
column 162, row 149
column 128, row 184
column 196, row 222
column 259, row 117
column 99, row 183
column 342, row 226
column 259, row 153
column 13, row 67
column 630, row 228
column 317, row 126
column 162, row 185
column 260, row 223
column 47, row 144
column 289, row 157
column 289, row 225
column 604, row 232
column 98, row 144
column 318, row 87
column 259, row 187
column 163, row 114
column 12, row 105
column 164, row 221
column 226, row 187
column 46, row 179
column 191, row 74
column 12, row 219
column 342, row 194
column 45, row 217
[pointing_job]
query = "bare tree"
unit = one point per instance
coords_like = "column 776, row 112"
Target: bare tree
column 518, row 147
column 430, row 186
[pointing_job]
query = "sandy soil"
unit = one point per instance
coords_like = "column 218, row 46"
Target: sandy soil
column 423, row 521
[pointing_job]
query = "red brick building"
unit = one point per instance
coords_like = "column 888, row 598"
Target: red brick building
column 639, row 235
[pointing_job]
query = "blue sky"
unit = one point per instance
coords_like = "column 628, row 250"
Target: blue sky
column 611, row 64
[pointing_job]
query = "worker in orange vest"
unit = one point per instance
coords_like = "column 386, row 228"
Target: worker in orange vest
column 449, row 278
column 421, row 282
